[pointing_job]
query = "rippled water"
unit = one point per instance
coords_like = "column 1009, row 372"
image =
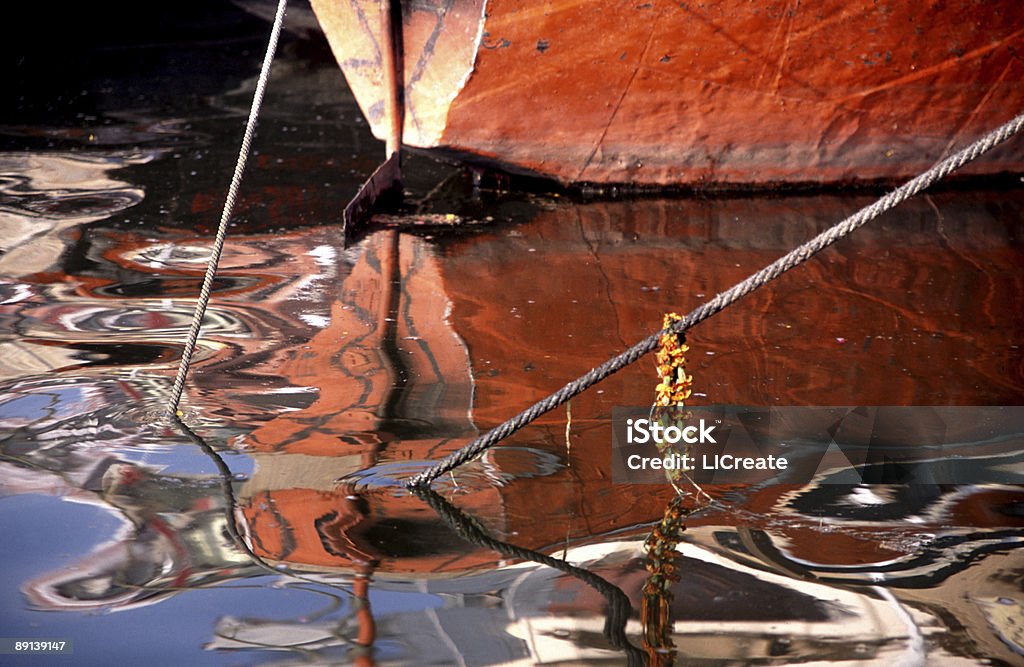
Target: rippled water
column 274, row 528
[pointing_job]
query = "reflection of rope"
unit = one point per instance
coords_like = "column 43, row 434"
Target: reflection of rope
column 722, row 300
column 229, row 513
column 359, row 594
column 619, row 608
column 225, row 216
column 229, row 497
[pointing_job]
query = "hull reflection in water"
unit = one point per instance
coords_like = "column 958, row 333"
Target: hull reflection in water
column 337, row 373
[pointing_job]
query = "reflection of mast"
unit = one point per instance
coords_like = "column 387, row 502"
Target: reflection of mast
column 364, row 618
column 333, row 529
column 391, row 274
column 386, row 353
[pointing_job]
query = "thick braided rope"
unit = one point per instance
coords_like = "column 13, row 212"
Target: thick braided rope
column 722, row 300
column 225, row 216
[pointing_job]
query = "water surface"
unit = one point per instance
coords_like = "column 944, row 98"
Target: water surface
column 274, row 529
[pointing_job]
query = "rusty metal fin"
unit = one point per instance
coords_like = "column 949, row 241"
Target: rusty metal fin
column 384, row 183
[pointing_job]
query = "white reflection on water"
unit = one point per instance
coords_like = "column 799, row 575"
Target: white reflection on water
column 42, row 196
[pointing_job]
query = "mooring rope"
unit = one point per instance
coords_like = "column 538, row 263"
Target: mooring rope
column 225, row 216
column 794, row 258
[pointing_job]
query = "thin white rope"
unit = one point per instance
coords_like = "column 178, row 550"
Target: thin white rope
column 225, row 216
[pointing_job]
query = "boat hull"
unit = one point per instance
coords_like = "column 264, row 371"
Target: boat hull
column 695, row 94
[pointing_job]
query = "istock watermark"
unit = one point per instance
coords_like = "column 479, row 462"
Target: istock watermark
column 642, row 431
column 837, row 445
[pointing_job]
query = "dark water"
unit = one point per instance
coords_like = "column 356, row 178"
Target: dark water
column 276, row 530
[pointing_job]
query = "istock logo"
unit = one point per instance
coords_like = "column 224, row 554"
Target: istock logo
column 643, row 431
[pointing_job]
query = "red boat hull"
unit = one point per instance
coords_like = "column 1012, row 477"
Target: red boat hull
column 731, row 93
